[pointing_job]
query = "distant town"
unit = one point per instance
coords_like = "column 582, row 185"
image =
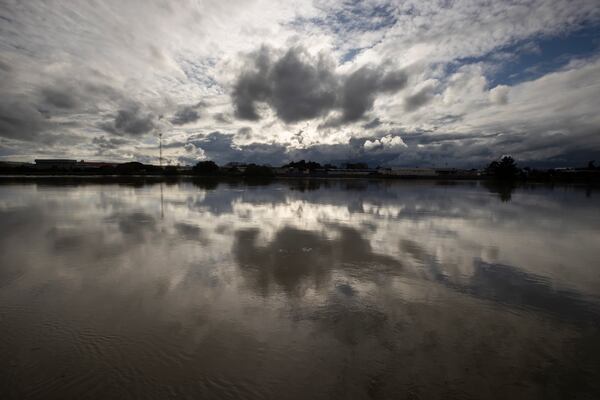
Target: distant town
column 503, row 168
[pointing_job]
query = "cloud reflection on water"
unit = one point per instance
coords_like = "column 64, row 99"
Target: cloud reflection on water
column 380, row 288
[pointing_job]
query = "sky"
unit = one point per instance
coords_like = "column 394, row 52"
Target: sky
column 403, row 83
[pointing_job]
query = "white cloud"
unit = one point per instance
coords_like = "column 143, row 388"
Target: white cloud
column 499, row 94
column 385, row 143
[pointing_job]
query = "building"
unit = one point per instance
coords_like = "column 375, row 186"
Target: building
column 58, row 163
column 14, row 164
column 92, row 165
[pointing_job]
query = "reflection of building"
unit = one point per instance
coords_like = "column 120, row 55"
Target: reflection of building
column 58, row 163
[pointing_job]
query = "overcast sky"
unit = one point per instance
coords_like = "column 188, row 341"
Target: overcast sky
column 411, row 83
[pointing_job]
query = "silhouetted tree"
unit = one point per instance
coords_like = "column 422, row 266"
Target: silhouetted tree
column 506, row 168
column 206, row 168
column 303, row 165
column 171, row 170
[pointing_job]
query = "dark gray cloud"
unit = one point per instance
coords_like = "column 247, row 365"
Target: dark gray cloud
column 358, row 93
column 361, row 87
column 296, row 85
column 219, row 147
column 186, row 114
column 131, row 120
column 302, row 87
column 59, row 98
column 21, row 120
column 299, row 87
column 419, row 99
column 215, row 142
column 478, row 149
column 31, row 115
column 64, row 96
column 434, row 149
column 374, row 123
column 252, row 85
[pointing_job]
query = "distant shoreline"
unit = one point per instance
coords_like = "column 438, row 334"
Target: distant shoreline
column 231, row 178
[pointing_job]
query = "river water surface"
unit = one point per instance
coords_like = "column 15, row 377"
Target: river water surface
column 299, row 290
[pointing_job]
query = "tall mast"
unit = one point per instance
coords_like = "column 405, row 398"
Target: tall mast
column 160, row 148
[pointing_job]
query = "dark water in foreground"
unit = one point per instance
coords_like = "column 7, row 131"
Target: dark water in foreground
column 299, row 290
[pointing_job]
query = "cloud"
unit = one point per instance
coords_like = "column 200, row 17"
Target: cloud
column 186, row 115
column 245, row 132
column 59, row 98
column 112, row 143
column 420, row 98
column 21, row 120
column 361, row 87
column 221, row 148
column 385, row 143
column 499, row 94
column 63, row 95
column 190, row 148
column 374, row 123
column 131, row 121
column 222, row 118
column 298, row 86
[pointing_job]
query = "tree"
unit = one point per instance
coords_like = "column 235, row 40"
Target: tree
column 171, row 170
column 506, row 168
column 206, row 168
column 131, row 168
column 303, row 165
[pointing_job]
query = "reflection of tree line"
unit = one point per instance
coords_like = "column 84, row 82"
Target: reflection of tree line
column 503, row 188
